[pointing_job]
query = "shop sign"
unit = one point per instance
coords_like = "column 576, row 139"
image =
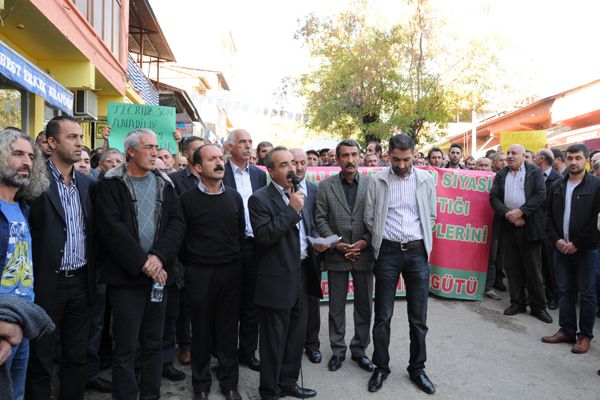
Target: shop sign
column 25, row 74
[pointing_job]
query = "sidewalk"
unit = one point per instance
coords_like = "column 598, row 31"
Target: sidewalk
column 474, row 352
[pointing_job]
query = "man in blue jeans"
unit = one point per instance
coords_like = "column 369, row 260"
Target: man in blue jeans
column 22, row 177
column 571, row 219
column 400, row 210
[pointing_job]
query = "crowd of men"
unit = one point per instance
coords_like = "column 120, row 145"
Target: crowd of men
column 143, row 256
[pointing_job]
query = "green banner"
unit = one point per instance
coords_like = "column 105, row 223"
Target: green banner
column 124, row 118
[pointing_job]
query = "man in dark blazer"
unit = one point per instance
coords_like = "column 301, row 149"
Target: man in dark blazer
column 340, row 209
column 178, row 303
column 246, row 179
column 64, row 276
column 313, row 321
column 286, row 274
column 517, row 197
column 544, row 159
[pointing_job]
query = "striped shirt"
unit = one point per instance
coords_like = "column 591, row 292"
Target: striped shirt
column 402, row 223
column 74, row 255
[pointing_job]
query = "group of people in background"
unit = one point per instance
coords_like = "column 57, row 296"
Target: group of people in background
column 156, row 256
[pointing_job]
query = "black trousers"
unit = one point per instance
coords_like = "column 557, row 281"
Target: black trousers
column 137, row 322
column 523, row 264
column 215, row 303
column 171, row 315
column 548, row 271
column 282, row 335
column 313, row 324
column 248, row 333
column 57, row 361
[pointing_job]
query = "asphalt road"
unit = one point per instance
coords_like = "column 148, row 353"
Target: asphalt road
column 474, row 352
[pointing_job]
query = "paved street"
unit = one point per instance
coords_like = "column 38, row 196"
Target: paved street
column 474, row 352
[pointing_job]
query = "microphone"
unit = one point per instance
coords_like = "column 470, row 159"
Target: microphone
column 295, row 183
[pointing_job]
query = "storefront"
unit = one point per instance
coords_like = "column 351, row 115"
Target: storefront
column 23, row 86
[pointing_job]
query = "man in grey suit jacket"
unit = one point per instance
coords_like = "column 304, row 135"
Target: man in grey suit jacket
column 339, row 211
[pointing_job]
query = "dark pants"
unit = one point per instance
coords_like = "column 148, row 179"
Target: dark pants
column 67, row 345
column 171, row 314
column 184, row 324
column 523, row 264
column 248, row 313
column 548, row 270
column 576, row 277
column 137, row 322
column 313, row 324
column 412, row 264
column 492, row 260
column 363, row 305
column 215, row 304
column 281, row 340
column 95, row 335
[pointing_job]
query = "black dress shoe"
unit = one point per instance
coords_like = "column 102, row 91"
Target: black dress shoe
column 100, row 385
column 515, row 309
column 201, row 396
column 364, row 363
column 299, row 392
column 423, row 382
column 335, row 363
column 172, row 373
column 232, row 395
column 251, row 362
column 542, row 315
column 376, row 380
column 314, row 357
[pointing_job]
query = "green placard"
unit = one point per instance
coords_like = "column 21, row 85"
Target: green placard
column 124, row 118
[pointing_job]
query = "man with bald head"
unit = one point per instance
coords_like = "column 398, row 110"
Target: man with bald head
column 483, row 164
column 517, row 197
column 544, row 159
column 246, row 178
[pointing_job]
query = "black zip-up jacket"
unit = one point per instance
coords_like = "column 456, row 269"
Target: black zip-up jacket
column 585, row 206
column 117, row 229
column 533, row 209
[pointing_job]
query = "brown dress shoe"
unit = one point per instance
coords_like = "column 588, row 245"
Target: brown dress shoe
column 582, row 345
column 185, row 357
column 559, row 337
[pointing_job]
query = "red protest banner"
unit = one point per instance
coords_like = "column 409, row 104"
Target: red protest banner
column 462, row 233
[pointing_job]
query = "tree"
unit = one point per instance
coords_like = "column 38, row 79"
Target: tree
column 371, row 82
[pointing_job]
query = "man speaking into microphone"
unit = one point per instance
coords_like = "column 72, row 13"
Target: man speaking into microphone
column 286, row 273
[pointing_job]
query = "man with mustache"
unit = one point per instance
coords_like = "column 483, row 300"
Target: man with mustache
column 213, row 271
column 400, row 211
column 313, row 325
column 22, row 177
column 286, row 276
column 140, row 233
column 246, row 179
column 518, row 196
column 339, row 211
column 61, row 234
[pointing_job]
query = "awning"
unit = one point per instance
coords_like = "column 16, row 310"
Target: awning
column 19, row 70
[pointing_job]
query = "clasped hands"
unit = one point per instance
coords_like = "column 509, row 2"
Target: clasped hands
column 153, row 267
column 351, row 251
column 11, row 335
column 565, row 247
column 515, row 217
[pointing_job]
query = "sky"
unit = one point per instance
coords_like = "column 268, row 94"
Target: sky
column 546, row 46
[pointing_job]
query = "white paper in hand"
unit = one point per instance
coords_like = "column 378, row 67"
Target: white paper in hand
column 330, row 240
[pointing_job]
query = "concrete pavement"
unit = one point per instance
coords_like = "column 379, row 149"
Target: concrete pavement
column 474, row 352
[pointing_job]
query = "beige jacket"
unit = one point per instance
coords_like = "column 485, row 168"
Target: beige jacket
column 376, row 206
